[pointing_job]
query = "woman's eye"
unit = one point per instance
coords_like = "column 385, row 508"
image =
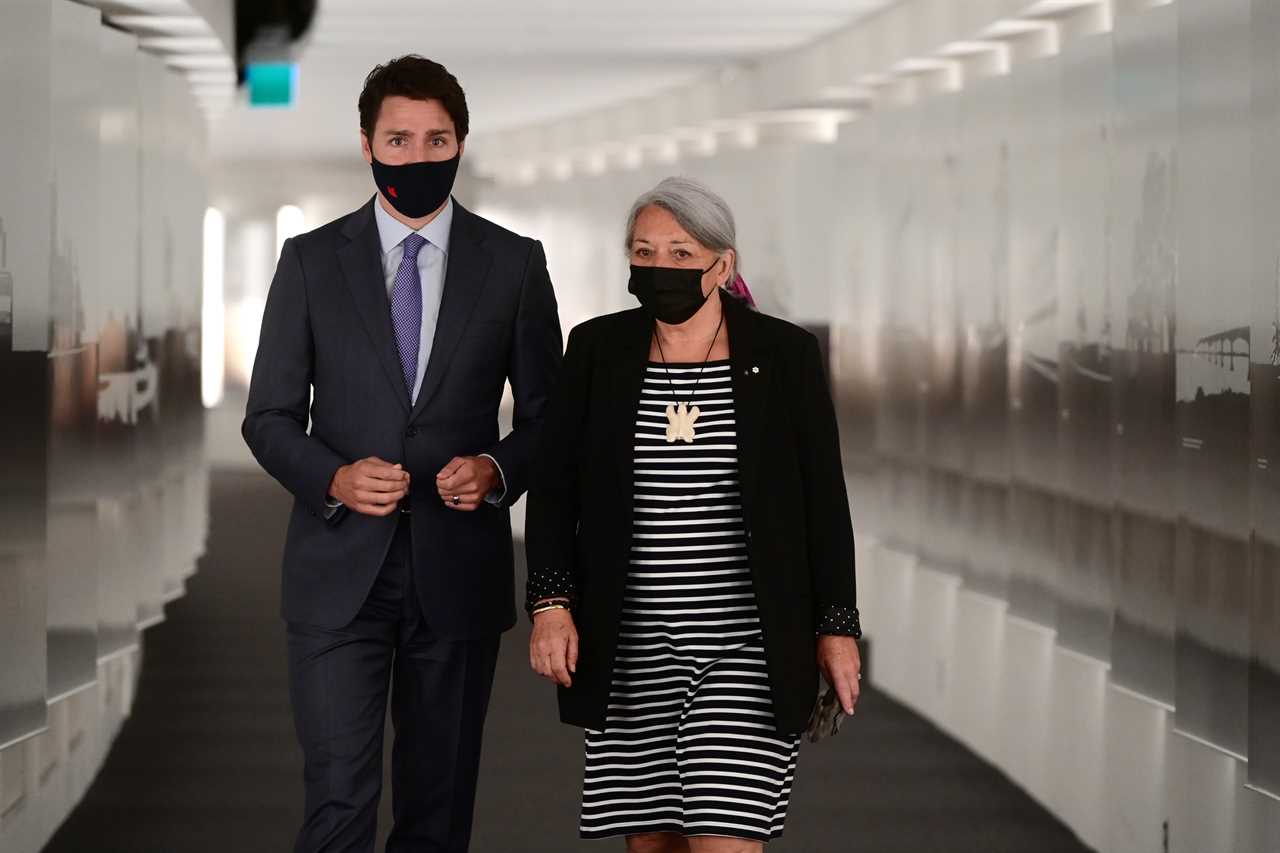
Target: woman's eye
column 682, row 254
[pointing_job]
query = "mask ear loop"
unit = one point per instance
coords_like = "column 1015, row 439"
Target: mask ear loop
column 728, row 284
column 725, row 284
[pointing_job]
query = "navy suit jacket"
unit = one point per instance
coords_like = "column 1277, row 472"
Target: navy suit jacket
column 327, row 332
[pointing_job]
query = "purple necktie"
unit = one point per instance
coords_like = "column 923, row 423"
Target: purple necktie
column 406, row 308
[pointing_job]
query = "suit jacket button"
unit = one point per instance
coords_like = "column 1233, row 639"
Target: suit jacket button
column 411, row 432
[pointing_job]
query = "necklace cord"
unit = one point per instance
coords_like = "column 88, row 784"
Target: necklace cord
column 692, row 391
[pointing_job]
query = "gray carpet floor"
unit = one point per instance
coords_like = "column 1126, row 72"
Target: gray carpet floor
column 208, row 760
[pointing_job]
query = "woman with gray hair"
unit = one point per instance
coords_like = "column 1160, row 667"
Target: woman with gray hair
column 689, row 546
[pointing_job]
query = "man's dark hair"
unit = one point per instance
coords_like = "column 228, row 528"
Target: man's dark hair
column 414, row 77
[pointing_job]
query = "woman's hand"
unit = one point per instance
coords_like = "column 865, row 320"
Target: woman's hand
column 553, row 646
column 841, row 665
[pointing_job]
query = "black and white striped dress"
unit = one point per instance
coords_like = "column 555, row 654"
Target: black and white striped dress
column 689, row 744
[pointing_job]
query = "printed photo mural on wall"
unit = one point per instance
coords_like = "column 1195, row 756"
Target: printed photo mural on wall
column 1082, row 588
column 1144, row 273
column 1211, row 339
column 984, row 275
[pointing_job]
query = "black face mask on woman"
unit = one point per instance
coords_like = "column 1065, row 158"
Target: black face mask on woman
column 416, row 189
column 669, row 294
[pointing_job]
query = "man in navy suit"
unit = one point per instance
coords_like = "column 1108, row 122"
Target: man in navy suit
column 392, row 332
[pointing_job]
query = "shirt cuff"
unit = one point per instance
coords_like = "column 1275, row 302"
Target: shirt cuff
column 840, row 620
column 495, row 497
column 332, row 505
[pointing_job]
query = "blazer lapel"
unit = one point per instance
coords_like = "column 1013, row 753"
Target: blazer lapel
column 627, row 380
column 464, row 281
column 752, row 377
column 361, row 261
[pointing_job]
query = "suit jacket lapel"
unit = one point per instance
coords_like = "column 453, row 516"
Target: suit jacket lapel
column 464, row 281
column 752, row 377
column 361, row 261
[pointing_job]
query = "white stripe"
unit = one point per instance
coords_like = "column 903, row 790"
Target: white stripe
column 727, row 774
column 676, row 599
column 630, row 776
column 675, row 786
column 701, row 623
column 670, row 509
column 686, row 611
column 681, row 562
column 689, row 635
column 704, row 496
column 731, row 480
column 721, row 585
column 709, row 367
column 736, row 762
column 668, row 549
column 699, row 534
column 692, row 521
column 659, row 400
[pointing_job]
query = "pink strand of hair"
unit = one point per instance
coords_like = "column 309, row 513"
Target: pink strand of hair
column 738, row 287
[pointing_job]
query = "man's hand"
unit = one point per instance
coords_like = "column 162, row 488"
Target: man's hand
column 465, row 481
column 553, row 646
column 841, row 665
column 371, row 486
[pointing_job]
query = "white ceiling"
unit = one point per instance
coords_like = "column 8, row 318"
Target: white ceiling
column 519, row 62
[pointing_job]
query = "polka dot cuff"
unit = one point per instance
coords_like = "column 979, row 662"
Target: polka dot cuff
column 840, row 620
column 549, row 583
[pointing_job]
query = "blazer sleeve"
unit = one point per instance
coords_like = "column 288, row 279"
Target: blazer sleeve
column 276, row 416
column 551, row 521
column 534, row 365
column 830, row 532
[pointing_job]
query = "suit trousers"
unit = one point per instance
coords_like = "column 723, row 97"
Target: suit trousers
column 339, row 684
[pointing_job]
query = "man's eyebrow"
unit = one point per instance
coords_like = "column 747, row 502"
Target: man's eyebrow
column 433, row 132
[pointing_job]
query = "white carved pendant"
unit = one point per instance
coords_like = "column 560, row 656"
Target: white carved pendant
column 680, row 423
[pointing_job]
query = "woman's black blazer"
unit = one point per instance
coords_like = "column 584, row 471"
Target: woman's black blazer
column 796, row 510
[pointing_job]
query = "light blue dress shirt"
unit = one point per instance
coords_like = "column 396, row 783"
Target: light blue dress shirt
column 433, row 259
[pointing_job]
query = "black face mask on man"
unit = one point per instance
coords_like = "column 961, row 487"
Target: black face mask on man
column 669, row 294
column 416, row 189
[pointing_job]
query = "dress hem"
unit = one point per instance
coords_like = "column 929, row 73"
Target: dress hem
column 674, row 830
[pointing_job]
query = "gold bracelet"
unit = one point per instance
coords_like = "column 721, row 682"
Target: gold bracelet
column 542, row 608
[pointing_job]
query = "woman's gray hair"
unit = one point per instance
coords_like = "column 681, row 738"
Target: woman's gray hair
column 705, row 215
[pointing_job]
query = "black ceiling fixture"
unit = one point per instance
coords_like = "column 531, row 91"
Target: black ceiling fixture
column 268, row 30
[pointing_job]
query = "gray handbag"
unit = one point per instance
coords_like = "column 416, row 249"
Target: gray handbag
column 827, row 715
